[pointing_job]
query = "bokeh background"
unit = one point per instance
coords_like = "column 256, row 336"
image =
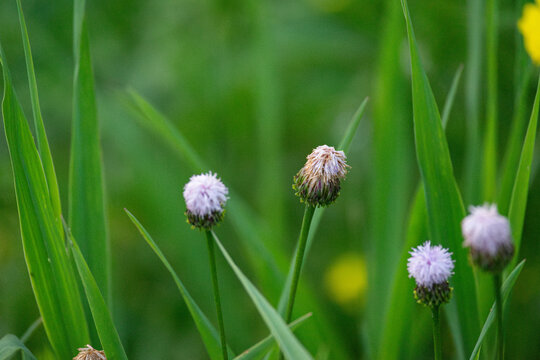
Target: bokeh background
column 254, row 86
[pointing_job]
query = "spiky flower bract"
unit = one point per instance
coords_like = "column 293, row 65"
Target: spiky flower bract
column 89, row 353
column 488, row 235
column 431, row 266
column 205, row 197
column 319, row 181
column 529, row 25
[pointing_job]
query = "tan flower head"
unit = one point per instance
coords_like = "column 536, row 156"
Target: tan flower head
column 319, row 181
column 89, row 353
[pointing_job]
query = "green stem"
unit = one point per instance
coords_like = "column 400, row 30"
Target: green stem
column 498, row 302
column 30, row 331
column 217, row 299
column 302, row 241
column 436, row 333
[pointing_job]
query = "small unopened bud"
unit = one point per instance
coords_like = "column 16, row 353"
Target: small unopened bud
column 431, row 266
column 205, row 197
column 319, row 181
column 89, row 353
column 488, row 235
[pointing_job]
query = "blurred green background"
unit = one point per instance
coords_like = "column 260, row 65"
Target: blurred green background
column 254, row 86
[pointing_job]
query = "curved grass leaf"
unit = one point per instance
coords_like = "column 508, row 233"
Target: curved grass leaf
column 42, row 142
column 518, row 204
column 51, row 273
column 86, row 188
column 207, row 331
column 265, row 344
column 443, row 200
column 289, row 344
column 112, row 346
column 10, row 345
column 506, row 289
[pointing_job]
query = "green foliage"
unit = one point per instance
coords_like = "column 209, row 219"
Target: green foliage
column 11, row 345
column 108, row 335
column 444, row 205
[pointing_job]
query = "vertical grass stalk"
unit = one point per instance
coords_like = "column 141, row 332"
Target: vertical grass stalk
column 436, row 333
column 217, row 298
column 498, row 302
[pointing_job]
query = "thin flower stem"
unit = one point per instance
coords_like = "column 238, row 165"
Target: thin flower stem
column 217, row 299
column 498, row 302
column 301, row 249
column 302, row 241
column 436, row 334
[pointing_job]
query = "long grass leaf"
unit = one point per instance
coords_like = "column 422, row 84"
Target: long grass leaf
column 289, row 344
column 86, row 189
column 506, row 289
column 207, row 331
column 42, row 142
column 443, row 200
column 10, row 345
column 265, row 344
column 51, row 273
column 112, row 346
column 518, row 204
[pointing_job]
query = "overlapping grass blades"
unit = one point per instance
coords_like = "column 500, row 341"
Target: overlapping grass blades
column 288, row 343
column 267, row 259
column 86, row 188
column 398, row 315
column 260, row 348
column 207, row 331
column 108, row 335
column 42, row 142
column 506, row 290
column 518, row 203
column 444, row 205
column 10, row 345
column 51, row 272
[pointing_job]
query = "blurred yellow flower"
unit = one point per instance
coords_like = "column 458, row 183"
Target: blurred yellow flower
column 529, row 25
column 346, row 280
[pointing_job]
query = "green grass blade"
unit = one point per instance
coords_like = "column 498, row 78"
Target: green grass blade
column 150, row 118
column 290, row 346
column 443, row 200
column 506, row 289
column 51, row 273
column 265, row 344
column 86, row 188
column 513, row 149
column 391, row 175
column 473, row 81
column 518, row 204
column 396, row 324
column 449, row 102
column 10, row 345
column 112, row 346
column 489, row 161
column 42, row 142
column 207, row 331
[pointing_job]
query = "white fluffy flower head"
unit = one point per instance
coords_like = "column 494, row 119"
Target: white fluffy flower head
column 489, row 236
column 205, row 197
column 318, row 182
column 485, row 229
column 430, row 265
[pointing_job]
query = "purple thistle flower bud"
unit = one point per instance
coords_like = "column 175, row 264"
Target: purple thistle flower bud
column 205, row 197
